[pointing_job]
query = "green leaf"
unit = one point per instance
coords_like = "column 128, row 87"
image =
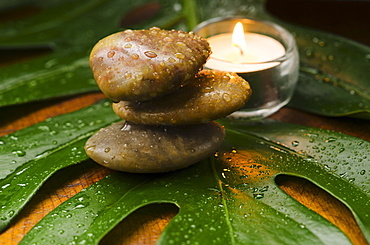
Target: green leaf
column 232, row 198
column 69, row 29
column 190, row 11
column 50, row 76
column 342, row 156
column 333, row 77
column 31, row 155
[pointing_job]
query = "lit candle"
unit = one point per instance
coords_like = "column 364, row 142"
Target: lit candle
column 263, row 53
column 243, row 51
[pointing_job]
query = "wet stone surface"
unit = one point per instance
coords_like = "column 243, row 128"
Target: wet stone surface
column 139, row 65
column 167, row 102
column 209, row 96
column 136, row 148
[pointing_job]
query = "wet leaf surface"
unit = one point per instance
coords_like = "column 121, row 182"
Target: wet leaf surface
column 69, row 29
column 30, row 156
column 231, row 198
column 333, row 76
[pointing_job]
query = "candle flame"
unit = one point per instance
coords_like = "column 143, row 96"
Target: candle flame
column 238, row 38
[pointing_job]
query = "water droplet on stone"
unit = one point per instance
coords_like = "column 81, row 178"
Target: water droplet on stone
column 128, row 75
column 156, row 75
column 208, row 89
column 171, row 60
column 180, row 56
column 150, row 54
column 91, row 148
column 168, row 39
column 111, row 54
column 135, row 56
column 181, row 44
column 226, row 97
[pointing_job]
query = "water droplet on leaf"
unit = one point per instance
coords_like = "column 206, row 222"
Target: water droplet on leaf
column 258, row 195
column 19, row 153
column 295, row 143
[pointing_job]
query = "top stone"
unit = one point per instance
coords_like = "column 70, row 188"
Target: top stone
column 139, row 65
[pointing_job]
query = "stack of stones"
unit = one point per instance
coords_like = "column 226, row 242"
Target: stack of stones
column 155, row 79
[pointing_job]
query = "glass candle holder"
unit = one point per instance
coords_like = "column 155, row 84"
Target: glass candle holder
column 268, row 60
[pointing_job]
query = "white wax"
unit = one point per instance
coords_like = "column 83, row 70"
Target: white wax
column 259, row 48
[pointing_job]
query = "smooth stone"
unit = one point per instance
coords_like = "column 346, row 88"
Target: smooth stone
column 208, row 96
column 139, row 65
column 138, row 148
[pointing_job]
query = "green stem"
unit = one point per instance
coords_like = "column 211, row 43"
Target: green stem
column 190, row 13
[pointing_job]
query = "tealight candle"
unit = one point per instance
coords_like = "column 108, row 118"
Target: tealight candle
column 263, row 53
column 239, row 47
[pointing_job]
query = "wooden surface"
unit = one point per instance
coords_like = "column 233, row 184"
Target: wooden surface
column 145, row 225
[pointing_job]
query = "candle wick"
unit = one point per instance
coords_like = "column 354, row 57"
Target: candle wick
column 240, row 49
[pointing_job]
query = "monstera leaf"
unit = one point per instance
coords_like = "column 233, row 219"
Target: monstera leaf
column 231, row 198
column 67, row 30
column 333, row 79
column 30, row 156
